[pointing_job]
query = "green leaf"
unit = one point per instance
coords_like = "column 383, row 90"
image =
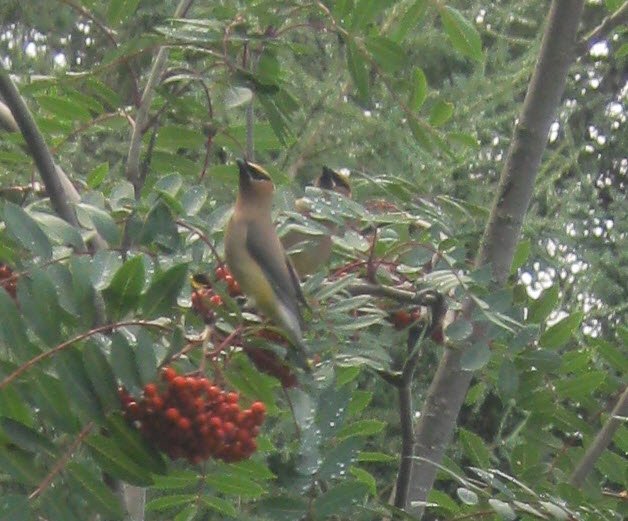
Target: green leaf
column 413, row 15
column 339, row 458
column 98, row 175
column 474, row 448
column 580, row 386
column 174, row 137
column 359, row 400
column 462, row 33
column 277, row 119
column 344, row 375
column 27, row 438
column 558, row 334
column 418, row 91
column 219, row 505
column 237, row 96
column 73, row 376
column 176, row 479
column 613, row 5
column 63, row 108
column 58, row 229
column 459, row 330
column 468, row 497
column 389, row 55
column 420, row 134
column 167, row 502
column 364, row 12
column 51, row 399
column 146, row 357
column 15, row 508
column 40, row 306
column 92, row 217
column 101, row 376
column 26, row 230
column 249, row 381
column 441, row 113
column 475, row 357
column 364, row 477
column 21, row 466
column 283, row 508
column 123, row 293
column 544, row 305
column 375, row 457
column 524, row 338
column 13, row 329
column 361, row 428
column 340, row 499
column 235, row 485
column 124, row 363
column 503, row 509
column 120, row 10
column 114, row 461
column 507, row 380
column 161, row 296
column 613, row 356
column 520, row 257
column 94, row 490
column 358, row 70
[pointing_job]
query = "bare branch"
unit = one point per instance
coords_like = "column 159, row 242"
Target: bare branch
column 601, row 442
column 60, row 196
column 602, row 31
column 47, row 354
column 447, row 391
column 133, row 172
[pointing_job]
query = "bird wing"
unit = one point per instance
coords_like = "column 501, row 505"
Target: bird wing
column 265, row 254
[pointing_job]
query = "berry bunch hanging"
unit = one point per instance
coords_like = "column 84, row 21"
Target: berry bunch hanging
column 193, row 418
column 204, row 299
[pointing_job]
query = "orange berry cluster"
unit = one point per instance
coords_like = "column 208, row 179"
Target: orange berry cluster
column 193, row 418
column 205, row 300
column 7, row 280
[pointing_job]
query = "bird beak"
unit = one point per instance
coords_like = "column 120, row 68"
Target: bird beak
column 243, row 167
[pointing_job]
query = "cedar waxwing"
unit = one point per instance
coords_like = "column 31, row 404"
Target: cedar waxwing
column 257, row 259
column 309, row 251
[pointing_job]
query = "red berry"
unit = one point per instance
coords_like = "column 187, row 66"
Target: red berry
column 173, row 414
column 168, row 373
column 178, row 382
column 150, row 390
column 258, row 408
column 184, row 424
column 232, row 397
column 215, row 300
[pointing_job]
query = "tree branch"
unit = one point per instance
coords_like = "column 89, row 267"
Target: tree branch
column 60, row 196
column 601, row 442
column 447, row 391
column 609, row 23
column 133, row 172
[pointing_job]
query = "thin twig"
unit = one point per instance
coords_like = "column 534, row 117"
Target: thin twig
column 423, row 297
column 601, row 442
column 60, row 464
column 110, row 34
column 609, row 23
column 203, row 237
column 47, row 354
column 133, row 173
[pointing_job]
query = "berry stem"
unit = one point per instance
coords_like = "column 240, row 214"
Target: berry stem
column 47, row 354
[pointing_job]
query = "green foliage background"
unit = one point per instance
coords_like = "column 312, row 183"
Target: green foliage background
column 418, row 99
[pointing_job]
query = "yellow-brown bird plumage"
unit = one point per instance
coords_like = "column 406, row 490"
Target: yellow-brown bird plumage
column 257, row 259
column 310, row 251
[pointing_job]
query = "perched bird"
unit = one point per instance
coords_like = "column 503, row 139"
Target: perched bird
column 257, row 259
column 310, row 249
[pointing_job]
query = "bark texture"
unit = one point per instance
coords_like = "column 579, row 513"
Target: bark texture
column 447, row 391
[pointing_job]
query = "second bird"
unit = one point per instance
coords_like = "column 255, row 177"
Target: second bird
column 257, row 259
